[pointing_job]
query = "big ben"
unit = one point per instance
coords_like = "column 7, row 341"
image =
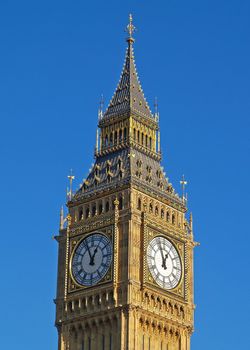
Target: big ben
column 125, row 257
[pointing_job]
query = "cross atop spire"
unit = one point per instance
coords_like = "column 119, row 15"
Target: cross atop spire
column 130, row 29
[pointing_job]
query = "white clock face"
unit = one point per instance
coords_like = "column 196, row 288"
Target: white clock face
column 164, row 262
column 91, row 259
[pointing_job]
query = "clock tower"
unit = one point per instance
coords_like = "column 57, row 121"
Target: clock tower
column 125, row 258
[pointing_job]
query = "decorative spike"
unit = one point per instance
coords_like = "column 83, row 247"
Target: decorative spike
column 159, row 141
column 61, row 218
column 71, row 177
column 183, row 183
column 97, row 140
column 191, row 222
column 100, row 110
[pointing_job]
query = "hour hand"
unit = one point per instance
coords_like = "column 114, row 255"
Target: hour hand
column 164, row 262
column 92, row 259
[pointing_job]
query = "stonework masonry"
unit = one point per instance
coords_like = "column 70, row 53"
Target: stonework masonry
column 126, row 299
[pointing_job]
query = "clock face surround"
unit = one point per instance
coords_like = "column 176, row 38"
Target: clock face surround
column 91, row 259
column 164, row 262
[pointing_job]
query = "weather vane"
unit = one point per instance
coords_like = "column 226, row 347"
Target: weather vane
column 183, row 183
column 71, row 177
column 130, row 27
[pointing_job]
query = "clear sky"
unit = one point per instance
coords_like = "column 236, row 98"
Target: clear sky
column 56, row 59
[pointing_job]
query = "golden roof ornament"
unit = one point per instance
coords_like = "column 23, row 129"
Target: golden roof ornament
column 130, row 29
column 71, row 177
column 183, row 183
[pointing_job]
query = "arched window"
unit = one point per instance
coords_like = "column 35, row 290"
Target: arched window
column 125, row 134
column 120, row 135
column 134, row 134
column 87, row 213
column 93, row 210
column 162, row 213
column 139, row 204
column 109, row 178
column 173, row 219
column 80, row 214
column 119, row 163
column 120, row 175
column 150, row 143
column 120, row 203
column 106, row 141
column 115, row 140
column 150, row 207
column 111, row 139
column 156, row 210
column 108, row 168
column 138, row 136
column 142, row 139
column 168, row 216
column 107, row 206
column 100, row 208
column 146, row 141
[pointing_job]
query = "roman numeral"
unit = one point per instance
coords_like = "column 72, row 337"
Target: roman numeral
column 104, row 265
column 77, row 263
column 105, row 255
column 176, row 268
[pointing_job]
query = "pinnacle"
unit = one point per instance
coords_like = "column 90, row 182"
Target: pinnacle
column 128, row 97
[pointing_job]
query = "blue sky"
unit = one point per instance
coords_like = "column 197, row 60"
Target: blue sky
column 57, row 58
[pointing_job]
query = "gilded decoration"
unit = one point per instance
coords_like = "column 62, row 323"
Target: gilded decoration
column 128, row 199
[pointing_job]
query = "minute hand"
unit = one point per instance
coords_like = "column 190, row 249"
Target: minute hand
column 87, row 246
column 162, row 256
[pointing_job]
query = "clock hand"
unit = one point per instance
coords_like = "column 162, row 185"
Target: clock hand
column 161, row 250
column 163, row 259
column 164, row 262
column 92, row 261
column 87, row 246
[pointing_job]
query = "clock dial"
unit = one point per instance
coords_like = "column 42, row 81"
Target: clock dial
column 164, row 262
column 91, row 259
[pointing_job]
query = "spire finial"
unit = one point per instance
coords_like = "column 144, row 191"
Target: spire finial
column 183, row 183
column 156, row 113
column 61, row 218
column 156, row 105
column 130, row 29
column 71, row 177
column 100, row 110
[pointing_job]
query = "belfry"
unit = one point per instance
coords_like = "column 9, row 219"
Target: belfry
column 125, row 258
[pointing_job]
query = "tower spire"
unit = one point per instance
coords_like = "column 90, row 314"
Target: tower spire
column 129, row 97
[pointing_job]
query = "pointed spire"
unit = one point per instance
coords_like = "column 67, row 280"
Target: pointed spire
column 183, row 183
column 97, row 140
column 156, row 112
column 71, row 177
column 191, row 222
column 61, row 218
column 128, row 97
column 159, row 141
column 100, row 110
